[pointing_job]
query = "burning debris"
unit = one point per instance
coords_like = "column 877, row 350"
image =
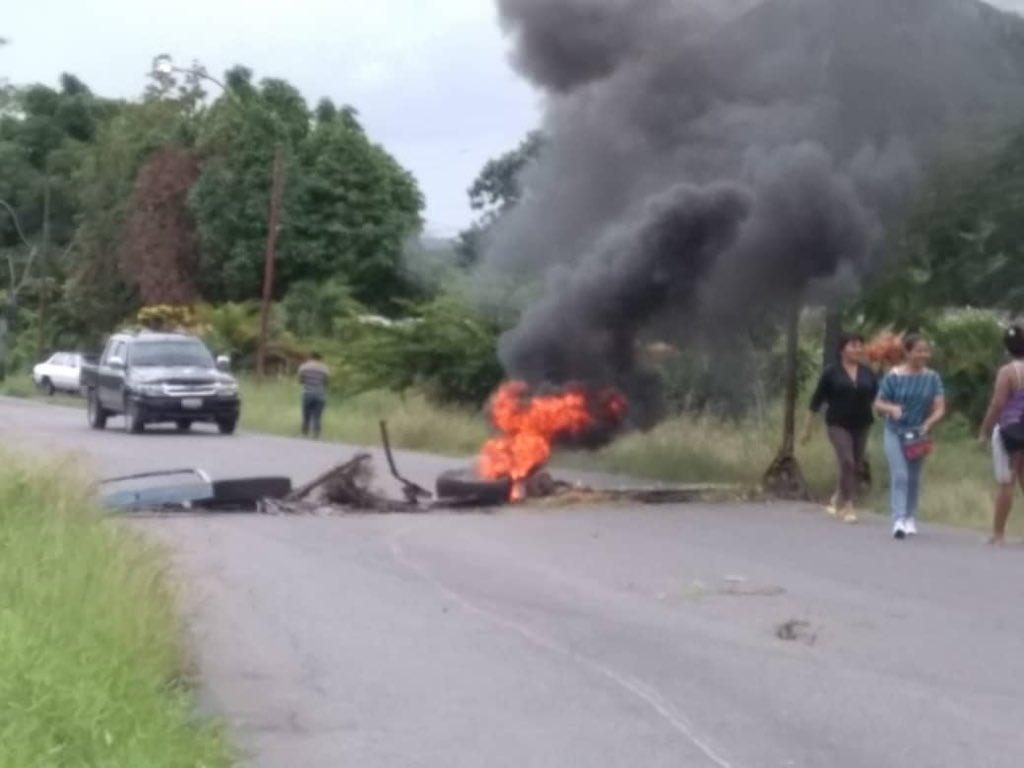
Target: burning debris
column 529, row 424
column 348, row 488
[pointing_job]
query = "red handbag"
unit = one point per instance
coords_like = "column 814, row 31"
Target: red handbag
column 916, row 445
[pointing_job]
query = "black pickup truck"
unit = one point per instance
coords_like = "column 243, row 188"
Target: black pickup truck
column 160, row 377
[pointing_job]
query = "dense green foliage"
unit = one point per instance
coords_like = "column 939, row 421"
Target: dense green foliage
column 107, row 205
column 443, row 349
column 963, row 245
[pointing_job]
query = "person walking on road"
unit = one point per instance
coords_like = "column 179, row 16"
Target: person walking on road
column 1003, row 427
column 912, row 399
column 314, row 376
column 848, row 389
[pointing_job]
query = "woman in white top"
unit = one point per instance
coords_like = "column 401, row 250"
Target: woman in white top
column 1004, row 427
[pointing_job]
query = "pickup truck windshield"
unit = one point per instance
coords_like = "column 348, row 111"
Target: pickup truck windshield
column 171, row 354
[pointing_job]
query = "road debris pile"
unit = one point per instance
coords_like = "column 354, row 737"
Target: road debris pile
column 348, row 488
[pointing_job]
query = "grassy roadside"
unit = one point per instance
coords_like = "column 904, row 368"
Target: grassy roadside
column 92, row 661
column 958, row 483
column 21, row 385
column 413, row 423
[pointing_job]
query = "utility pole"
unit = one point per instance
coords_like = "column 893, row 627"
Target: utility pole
column 43, row 284
column 268, row 264
column 833, row 327
column 784, row 477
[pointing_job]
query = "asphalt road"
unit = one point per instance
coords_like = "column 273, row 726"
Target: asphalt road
column 592, row 637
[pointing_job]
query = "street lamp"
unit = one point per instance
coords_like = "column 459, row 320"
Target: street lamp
column 164, row 66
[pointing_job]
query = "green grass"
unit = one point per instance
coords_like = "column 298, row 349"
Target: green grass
column 413, row 423
column 92, row 661
column 21, row 385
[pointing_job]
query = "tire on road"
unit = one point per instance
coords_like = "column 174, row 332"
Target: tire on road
column 183, row 425
column 133, row 419
column 466, row 484
column 244, row 493
column 227, row 426
column 47, row 386
column 96, row 414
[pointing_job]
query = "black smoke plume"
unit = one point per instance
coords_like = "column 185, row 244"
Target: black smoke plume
column 709, row 162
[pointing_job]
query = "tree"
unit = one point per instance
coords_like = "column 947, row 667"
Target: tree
column 159, row 249
column 348, row 206
column 496, row 191
column 97, row 292
column 43, row 132
column 231, row 199
column 356, row 209
column 964, row 244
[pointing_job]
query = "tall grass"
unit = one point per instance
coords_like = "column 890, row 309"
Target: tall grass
column 274, row 406
column 92, row 664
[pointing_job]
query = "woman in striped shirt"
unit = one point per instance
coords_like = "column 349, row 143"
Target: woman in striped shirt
column 912, row 400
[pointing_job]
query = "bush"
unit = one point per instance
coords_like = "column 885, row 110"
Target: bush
column 167, row 317
column 968, row 352
column 317, row 310
column 234, row 330
column 443, row 349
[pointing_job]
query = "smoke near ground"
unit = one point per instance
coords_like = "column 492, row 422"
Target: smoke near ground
column 707, row 163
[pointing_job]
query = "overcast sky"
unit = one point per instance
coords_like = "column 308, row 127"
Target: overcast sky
column 430, row 77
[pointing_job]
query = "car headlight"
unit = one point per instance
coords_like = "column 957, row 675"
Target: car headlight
column 149, row 390
column 227, row 388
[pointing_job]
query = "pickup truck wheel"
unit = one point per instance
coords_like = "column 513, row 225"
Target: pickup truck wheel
column 227, row 426
column 133, row 421
column 183, row 425
column 97, row 415
column 47, row 386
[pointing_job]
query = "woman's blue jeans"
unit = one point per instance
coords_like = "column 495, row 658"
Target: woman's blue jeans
column 904, row 479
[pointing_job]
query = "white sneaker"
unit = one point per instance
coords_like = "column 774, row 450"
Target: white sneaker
column 899, row 530
column 910, row 526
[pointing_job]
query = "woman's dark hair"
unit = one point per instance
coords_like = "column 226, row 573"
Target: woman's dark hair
column 911, row 340
column 846, row 339
column 1013, row 340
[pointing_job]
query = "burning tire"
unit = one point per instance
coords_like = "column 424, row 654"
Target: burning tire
column 466, row 485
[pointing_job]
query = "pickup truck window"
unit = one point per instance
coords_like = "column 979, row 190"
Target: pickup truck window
column 110, row 351
column 171, row 354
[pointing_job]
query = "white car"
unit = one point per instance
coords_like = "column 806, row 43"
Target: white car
column 59, row 374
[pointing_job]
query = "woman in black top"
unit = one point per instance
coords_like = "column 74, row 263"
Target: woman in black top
column 848, row 389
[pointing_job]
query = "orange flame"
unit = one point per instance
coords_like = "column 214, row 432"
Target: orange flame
column 885, row 350
column 530, row 425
